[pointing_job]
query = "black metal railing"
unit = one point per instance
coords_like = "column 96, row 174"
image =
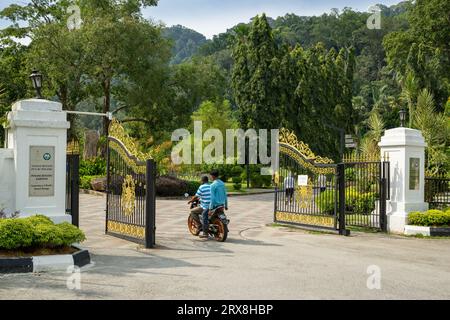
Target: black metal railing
column 437, row 192
column 72, row 187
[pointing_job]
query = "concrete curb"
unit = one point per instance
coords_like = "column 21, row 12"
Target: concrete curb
column 45, row 263
column 92, row 192
column 411, row 230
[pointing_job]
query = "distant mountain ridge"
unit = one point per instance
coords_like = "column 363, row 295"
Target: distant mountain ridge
column 186, row 42
column 293, row 28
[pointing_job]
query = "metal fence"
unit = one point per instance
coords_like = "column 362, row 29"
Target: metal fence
column 365, row 192
column 437, row 192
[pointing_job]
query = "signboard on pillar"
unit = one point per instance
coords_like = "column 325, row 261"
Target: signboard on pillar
column 42, row 171
column 414, row 173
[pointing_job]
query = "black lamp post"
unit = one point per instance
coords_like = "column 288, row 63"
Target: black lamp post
column 402, row 114
column 36, row 79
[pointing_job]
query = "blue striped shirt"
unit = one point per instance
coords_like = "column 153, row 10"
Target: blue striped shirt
column 204, row 193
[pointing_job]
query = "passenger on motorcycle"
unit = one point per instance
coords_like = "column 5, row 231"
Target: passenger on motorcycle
column 218, row 199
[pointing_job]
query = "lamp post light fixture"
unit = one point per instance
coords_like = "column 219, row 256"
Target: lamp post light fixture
column 36, row 79
column 402, row 114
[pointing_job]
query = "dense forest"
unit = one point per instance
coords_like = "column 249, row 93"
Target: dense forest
column 319, row 75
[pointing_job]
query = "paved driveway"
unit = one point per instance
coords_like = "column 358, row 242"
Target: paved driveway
column 257, row 262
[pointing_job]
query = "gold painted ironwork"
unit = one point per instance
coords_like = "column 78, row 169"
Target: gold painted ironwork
column 130, row 162
column 305, row 219
column 116, row 130
column 304, row 195
column 126, row 229
column 288, row 137
column 73, row 147
column 276, row 177
column 353, row 157
column 128, row 196
column 298, row 158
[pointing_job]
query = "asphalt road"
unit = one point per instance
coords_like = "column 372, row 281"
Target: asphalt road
column 257, row 262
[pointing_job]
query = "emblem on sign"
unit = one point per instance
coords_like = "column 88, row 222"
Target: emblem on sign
column 47, row 156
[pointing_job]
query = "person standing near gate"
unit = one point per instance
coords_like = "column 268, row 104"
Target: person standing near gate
column 289, row 185
column 322, row 182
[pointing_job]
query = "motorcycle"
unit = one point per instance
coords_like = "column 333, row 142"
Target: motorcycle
column 218, row 222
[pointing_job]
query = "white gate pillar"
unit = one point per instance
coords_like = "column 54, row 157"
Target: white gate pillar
column 406, row 151
column 37, row 133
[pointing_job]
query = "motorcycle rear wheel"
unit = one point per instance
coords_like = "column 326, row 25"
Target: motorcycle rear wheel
column 193, row 226
column 222, row 231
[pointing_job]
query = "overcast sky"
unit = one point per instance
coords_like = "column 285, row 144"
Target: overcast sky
column 211, row 17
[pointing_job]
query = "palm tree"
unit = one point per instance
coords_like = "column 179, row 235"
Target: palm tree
column 369, row 144
column 408, row 95
column 435, row 128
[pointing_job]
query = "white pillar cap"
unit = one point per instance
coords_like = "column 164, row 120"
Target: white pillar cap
column 402, row 137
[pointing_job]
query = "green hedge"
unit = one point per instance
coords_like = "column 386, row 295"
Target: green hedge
column 192, row 187
column 355, row 202
column 430, row 218
column 37, row 232
column 95, row 167
column 325, row 201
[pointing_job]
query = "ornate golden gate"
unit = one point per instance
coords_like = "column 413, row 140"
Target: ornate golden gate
column 130, row 204
column 306, row 186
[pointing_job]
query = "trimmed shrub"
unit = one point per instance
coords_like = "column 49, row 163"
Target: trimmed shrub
column 37, row 231
column 365, row 203
column 95, row 167
column 15, row 233
column 192, row 187
column 350, row 174
column 47, row 235
column 430, row 218
column 169, row 186
column 237, row 183
column 325, row 201
column 351, row 195
column 237, row 171
column 40, row 219
column 70, row 233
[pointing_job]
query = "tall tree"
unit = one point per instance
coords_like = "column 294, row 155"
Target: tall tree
column 254, row 78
